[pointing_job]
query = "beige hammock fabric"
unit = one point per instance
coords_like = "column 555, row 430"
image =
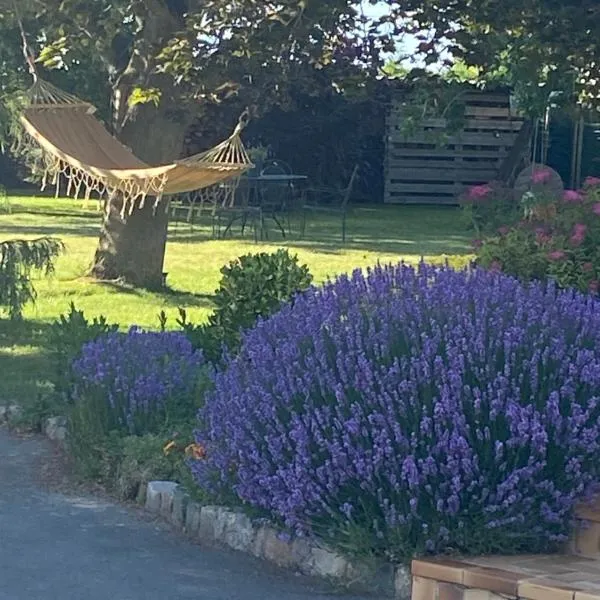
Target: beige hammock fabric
column 75, row 145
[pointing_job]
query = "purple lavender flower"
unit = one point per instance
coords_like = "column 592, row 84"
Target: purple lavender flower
column 466, row 402
column 145, row 377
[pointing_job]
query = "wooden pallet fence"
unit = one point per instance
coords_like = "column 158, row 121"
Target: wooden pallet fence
column 418, row 170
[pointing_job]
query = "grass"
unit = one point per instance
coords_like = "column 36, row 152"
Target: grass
column 193, row 261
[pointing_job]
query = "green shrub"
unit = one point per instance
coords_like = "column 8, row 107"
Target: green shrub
column 253, row 286
column 66, row 338
column 516, row 253
column 142, row 459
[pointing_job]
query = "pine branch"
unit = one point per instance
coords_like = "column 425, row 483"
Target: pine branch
column 18, row 258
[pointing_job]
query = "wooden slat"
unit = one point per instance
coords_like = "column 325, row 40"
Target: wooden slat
column 458, row 174
column 399, row 150
column 435, row 163
column 506, row 139
column 426, row 188
column 425, row 199
column 487, row 97
column 395, row 123
column 487, row 111
column 473, row 97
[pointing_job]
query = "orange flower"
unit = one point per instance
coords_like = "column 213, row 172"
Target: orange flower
column 196, row 451
column 169, row 446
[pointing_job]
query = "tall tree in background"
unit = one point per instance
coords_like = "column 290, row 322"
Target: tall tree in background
column 155, row 67
column 536, row 46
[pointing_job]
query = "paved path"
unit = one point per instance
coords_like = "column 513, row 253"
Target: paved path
column 53, row 547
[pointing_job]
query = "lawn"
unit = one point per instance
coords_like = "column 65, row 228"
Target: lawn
column 193, row 260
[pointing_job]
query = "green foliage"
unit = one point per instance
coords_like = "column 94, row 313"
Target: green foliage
column 18, row 258
column 4, row 200
column 66, row 337
column 516, row 253
column 142, row 459
column 519, row 44
column 253, row 286
column 428, row 99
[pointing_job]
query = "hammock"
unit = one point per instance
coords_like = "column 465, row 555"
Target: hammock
column 76, row 146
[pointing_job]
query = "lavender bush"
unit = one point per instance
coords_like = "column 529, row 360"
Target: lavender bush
column 138, row 382
column 411, row 411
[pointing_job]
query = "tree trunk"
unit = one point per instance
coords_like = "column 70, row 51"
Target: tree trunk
column 133, row 250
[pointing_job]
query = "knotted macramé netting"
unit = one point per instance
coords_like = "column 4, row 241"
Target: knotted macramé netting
column 76, row 146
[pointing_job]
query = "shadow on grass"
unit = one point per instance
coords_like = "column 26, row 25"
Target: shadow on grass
column 72, row 213
column 50, row 230
column 404, row 230
column 177, row 298
column 169, row 296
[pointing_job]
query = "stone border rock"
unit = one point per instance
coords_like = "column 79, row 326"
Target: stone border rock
column 234, row 529
column 10, row 413
column 217, row 524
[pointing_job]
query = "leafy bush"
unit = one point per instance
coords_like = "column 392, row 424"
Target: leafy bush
column 67, row 336
column 142, row 460
column 411, row 411
column 557, row 238
column 253, row 286
column 132, row 384
column 18, row 258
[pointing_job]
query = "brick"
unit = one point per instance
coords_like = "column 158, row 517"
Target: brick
column 587, row 539
column 470, row 594
column 544, row 589
column 493, row 580
column 450, row 591
column 424, row 589
column 587, row 595
column 449, row 571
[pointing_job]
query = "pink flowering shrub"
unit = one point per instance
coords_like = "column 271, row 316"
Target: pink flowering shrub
column 488, row 207
column 555, row 238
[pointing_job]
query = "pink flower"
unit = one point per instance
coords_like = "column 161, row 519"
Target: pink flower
column 479, row 192
column 596, row 208
column 587, row 267
column 541, row 236
column 578, row 234
column 591, row 181
column 576, row 240
column 503, row 230
column 594, row 286
column 572, row 196
column 496, row 266
column 477, row 244
column 556, row 255
column 541, row 176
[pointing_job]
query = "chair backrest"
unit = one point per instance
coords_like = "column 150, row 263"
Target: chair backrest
column 350, row 186
column 276, row 167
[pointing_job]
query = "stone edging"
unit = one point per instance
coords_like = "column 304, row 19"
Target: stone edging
column 221, row 525
column 217, row 524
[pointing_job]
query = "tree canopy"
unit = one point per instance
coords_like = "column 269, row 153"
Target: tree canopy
column 536, row 46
